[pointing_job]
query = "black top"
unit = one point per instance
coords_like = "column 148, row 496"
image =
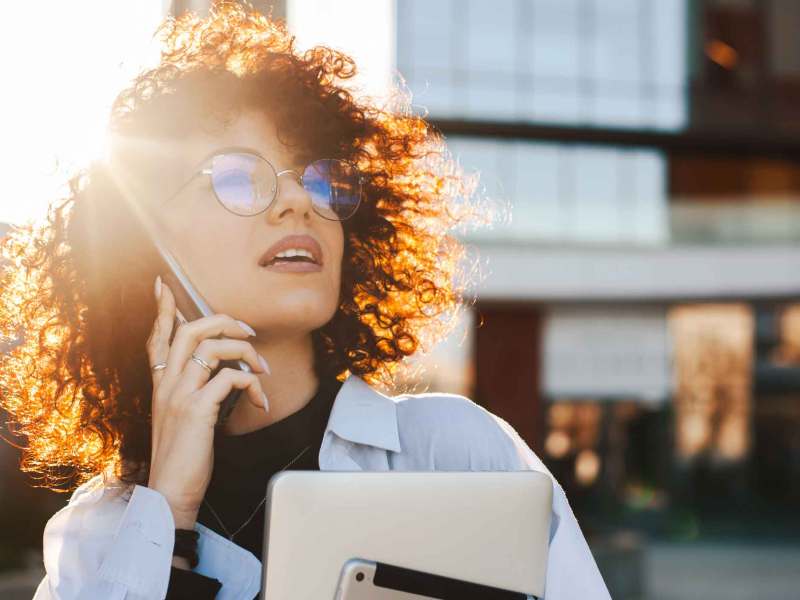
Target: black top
column 243, row 465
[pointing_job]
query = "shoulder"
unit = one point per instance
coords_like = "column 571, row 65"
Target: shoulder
column 98, row 502
column 456, row 433
column 102, row 491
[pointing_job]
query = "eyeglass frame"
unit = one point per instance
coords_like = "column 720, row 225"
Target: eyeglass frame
column 244, row 150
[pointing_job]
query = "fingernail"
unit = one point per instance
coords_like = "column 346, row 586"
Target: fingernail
column 263, row 362
column 158, row 286
column 266, row 402
column 246, row 327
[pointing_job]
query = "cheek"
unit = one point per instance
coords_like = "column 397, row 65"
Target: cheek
column 337, row 253
column 207, row 249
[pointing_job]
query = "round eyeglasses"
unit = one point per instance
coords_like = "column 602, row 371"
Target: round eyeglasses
column 245, row 183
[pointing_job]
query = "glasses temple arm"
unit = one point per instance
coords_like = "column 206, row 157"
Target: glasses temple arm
column 204, row 171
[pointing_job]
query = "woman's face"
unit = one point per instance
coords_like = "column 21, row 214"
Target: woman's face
column 221, row 251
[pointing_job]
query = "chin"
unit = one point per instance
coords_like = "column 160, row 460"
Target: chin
column 289, row 308
column 302, row 315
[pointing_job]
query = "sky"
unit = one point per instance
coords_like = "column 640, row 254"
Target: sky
column 62, row 71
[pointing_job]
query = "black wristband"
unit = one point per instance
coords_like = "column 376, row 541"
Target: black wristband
column 186, row 545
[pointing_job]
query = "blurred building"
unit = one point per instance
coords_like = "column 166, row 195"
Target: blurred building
column 638, row 321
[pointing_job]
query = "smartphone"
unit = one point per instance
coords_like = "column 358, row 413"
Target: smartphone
column 191, row 305
column 362, row 579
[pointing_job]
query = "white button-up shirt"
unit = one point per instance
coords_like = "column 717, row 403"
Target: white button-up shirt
column 114, row 541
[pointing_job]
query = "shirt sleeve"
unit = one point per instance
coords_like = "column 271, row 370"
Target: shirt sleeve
column 571, row 568
column 188, row 585
column 103, row 546
column 236, row 568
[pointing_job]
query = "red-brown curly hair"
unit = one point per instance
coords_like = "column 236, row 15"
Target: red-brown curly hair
column 76, row 301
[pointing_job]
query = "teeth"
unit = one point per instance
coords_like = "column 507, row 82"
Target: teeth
column 295, row 252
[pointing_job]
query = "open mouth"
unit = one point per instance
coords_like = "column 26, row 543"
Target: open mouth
column 293, row 259
column 291, row 256
column 293, row 251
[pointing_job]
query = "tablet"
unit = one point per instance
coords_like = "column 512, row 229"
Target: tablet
column 369, row 580
column 485, row 527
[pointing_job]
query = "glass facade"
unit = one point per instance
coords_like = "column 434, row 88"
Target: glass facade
column 565, row 62
column 570, row 192
column 574, row 62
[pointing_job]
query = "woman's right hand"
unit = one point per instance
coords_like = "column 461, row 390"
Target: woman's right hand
column 186, row 402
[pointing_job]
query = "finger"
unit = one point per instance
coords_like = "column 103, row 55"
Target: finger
column 167, row 378
column 189, row 335
column 213, row 351
column 217, row 389
column 158, row 350
column 158, row 341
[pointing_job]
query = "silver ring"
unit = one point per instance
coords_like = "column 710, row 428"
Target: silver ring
column 159, row 366
column 201, row 362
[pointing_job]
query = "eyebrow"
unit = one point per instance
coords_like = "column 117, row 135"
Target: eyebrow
column 225, row 149
column 245, row 149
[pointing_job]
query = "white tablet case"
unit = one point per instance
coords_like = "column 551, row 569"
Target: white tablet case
column 487, row 527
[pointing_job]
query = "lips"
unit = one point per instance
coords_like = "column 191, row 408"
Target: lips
column 305, row 242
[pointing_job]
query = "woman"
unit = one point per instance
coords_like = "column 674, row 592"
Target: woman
column 318, row 227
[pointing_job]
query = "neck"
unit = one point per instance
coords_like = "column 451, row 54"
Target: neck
column 289, row 388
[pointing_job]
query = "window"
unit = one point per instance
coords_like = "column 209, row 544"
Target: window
column 579, row 193
column 573, row 62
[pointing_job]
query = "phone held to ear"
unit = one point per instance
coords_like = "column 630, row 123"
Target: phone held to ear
column 191, row 305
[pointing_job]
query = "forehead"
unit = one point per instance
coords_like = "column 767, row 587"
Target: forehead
column 247, row 130
column 149, row 165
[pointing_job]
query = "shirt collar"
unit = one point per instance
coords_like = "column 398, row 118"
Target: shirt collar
column 363, row 415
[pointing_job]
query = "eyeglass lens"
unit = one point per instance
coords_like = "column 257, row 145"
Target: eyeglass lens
column 334, row 187
column 246, row 185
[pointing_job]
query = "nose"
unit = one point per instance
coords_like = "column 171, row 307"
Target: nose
column 291, row 197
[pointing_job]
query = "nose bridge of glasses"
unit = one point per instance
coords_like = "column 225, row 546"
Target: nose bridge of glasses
column 297, row 175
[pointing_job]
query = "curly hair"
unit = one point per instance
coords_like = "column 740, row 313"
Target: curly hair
column 76, row 302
